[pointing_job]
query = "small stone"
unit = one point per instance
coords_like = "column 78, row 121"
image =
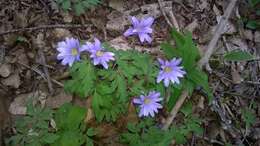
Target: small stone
column 12, row 81
column 5, row 70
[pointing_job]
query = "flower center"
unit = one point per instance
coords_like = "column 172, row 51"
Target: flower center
column 147, row 101
column 74, row 51
column 99, row 53
column 167, row 69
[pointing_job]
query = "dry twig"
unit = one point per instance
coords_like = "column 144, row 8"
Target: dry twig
column 46, row 27
column 202, row 62
column 41, row 74
column 217, row 34
column 45, row 70
column 172, row 21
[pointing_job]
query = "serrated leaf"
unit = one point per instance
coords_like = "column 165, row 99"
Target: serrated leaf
column 69, row 117
column 121, row 89
column 253, row 24
column 91, row 132
column 79, row 9
column 132, row 128
column 173, row 98
column 179, row 39
column 66, row 4
column 187, row 109
column 50, row 138
column 70, row 138
column 199, row 78
column 238, row 56
column 169, row 51
column 83, row 79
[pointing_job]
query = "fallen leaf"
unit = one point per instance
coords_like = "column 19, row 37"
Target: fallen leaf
column 117, row 4
column 57, row 100
column 61, row 33
column 18, row 106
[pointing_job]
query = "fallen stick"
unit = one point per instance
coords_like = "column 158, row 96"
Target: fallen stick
column 46, row 27
column 203, row 61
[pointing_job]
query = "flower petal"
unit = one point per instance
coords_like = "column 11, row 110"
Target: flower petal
column 147, row 21
column 135, row 21
column 129, row 32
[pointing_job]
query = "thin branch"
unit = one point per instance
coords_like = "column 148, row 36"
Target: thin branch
column 217, row 34
column 45, row 70
column 164, row 14
column 202, row 62
column 175, row 110
column 41, row 74
column 46, row 27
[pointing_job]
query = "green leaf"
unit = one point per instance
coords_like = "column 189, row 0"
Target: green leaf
column 91, row 132
column 70, row 138
column 121, row 89
column 66, row 4
column 50, row 138
column 132, row 128
column 169, row 51
column 79, row 9
column 179, row 38
column 69, row 117
column 174, row 97
column 187, row 109
column 200, row 79
column 252, row 24
column 83, row 79
column 238, row 55
column 248, row 117
column 253, row 3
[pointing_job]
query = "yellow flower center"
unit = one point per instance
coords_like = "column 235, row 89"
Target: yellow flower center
column 99, row 53
column 147, row 101
column 167, row 69
column 74, row 51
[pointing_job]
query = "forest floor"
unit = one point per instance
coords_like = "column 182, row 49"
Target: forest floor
column 31, row 29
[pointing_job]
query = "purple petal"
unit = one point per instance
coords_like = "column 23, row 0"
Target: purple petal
column 137, row 101
column 97, row 43
column 129, row 32
column 142, row 36
column 160, row 61
column 148, row 38
column 135, row 21
column 105, row 65
column 159, row 78
column 147, row 30
column 166, row 82
column 147, row 22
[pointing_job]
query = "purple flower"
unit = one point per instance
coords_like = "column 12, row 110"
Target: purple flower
column 149, row 104
column 69, row 51
column 170, row 71
column 98, row 54
column 142, row 29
